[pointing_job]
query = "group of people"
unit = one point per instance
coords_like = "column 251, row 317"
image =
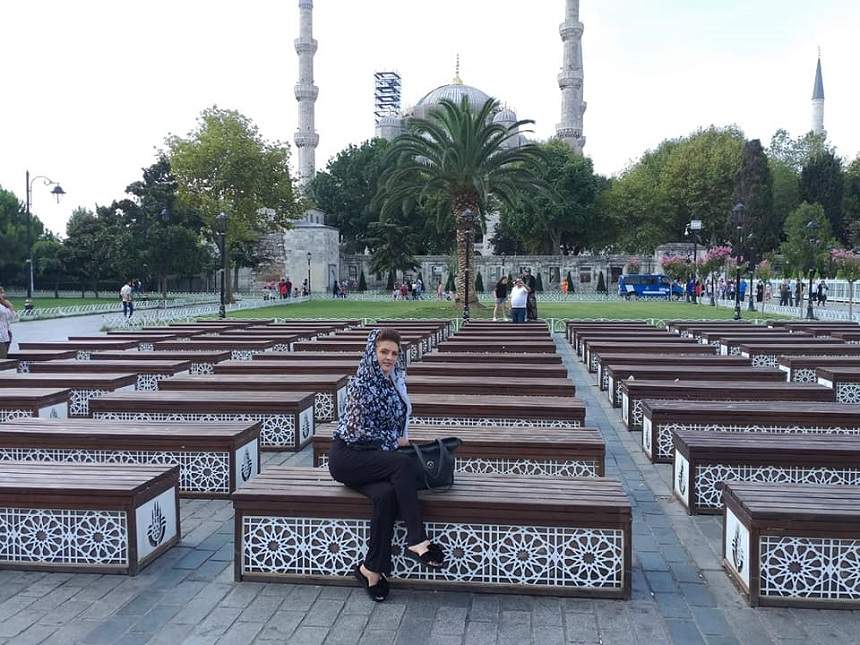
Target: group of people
column 522, row 296
column 408, row 290
column 7, row 316
column 789, row 297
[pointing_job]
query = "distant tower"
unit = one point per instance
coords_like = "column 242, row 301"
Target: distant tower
column 306, row 93
column 387, row 104
column 570, row 78
column 818, row 100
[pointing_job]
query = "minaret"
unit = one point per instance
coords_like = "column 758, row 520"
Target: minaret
column 306, row 93
column 818, row 100
column 570, row 80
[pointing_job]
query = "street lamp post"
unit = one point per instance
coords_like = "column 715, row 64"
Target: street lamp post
column 57, row 191
column 692, row 230
column 738, row 217
column 310, row 255
column 222, row 246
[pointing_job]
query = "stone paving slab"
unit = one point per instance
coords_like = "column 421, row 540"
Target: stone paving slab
column 680, row 593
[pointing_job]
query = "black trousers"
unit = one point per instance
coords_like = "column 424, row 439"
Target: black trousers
column 389, row 480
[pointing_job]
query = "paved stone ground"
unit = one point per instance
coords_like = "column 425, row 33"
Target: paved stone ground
column 680, row 593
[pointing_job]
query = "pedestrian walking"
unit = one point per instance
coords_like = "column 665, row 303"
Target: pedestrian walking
column 501, row 297
column 7, row 316
column 363, row 456
column 126, row 295
column 530, row 283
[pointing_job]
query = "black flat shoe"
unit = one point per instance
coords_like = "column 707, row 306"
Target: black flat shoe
column 432, row 558
column 377, row 592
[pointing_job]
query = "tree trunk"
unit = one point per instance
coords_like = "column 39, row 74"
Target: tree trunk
column 163, row 283
column 465, row 230
column 228, row 284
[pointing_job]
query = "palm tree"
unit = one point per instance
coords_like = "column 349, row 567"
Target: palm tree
column 458, row 160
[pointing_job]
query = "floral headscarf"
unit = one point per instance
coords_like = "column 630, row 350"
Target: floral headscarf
column 377, row 407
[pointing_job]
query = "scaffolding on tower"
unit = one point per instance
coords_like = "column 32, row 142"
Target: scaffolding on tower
column 386, row 95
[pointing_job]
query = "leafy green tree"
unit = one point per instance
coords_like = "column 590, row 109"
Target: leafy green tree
column 786, row 191
column 754, row 188
column 47, row 262
column 821, row 182
column 13, row 239
column 544, row 221
column 851, row 203
column 539, row 284
column 795, row 153
column 362, row 283
column 459, row 160
column 570, row 287
column 394, row 245
column 346, row 188
column 86, row 249
column 506, row 240
column 450, row 284
column 808, row 239
column 479, row 282
column 389, row 286
column 225, row 165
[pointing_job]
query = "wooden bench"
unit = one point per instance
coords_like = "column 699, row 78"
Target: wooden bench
column 83, row 387
column 154, row 333
column 94, row 518
column 411, row 351
column 852, row 337
column 329, row 390
column 705, row 461
column 661, row 418
column 82, row 348
column 632, row 358
column 801, row 324
column 591, row 349
column 767, row 355
column 471, row 357
column 844, row 381
column 200, row 362
column 144, row 341
column 801, row 369
column 544, row 453
column 425, row 340
column 345, row 368
column 478, row 369
column 286, row 418
column 8, row 365
column 618, row 373
column 19, row 402
column 693, row 328
column 497, row 411
column 579, row 336
column 280, row 342
column 731, row 345
column 213, row 458
column 572, row 325
column 27, row 357
column 295, row 357
column 149, row 373
column 634, row 392
column 793, row 545
column 498, row 346
column 240, row 350
column 532, row 535
column 490, row 386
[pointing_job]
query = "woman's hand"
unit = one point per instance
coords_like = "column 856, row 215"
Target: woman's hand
column 402, row 442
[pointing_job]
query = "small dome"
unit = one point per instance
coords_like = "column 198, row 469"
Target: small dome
column 455, row 92
column 505, row 115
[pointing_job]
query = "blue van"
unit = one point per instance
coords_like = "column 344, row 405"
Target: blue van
column 648, row 285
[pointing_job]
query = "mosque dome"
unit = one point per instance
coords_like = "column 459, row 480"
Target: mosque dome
column 505, row 116
column 454, row 92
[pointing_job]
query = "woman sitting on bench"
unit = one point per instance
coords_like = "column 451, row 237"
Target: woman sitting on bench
column 363, row 456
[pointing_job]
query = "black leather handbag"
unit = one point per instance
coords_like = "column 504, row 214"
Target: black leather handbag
column 434, row 462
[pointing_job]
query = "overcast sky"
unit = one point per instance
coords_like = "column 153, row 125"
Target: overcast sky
column 90, row 88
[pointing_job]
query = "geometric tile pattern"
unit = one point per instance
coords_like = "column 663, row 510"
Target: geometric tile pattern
column 7, row 414
column 848, row 393
column 471, row 422
column 490, row 554
column 324, row 406
column 48, row 536
column 522, row 467
column 807, row 567
column 199, row 472
column 710, row 478
column 277, row 429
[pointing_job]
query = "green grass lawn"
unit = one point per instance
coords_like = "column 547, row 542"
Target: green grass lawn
column 436, row 309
